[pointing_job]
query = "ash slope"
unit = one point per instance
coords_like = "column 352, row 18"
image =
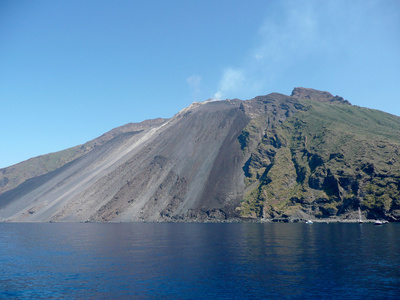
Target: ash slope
column 163, row 172
column 275, row 156
column 13, row 176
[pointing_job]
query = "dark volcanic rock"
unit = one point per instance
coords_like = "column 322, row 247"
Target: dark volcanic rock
column 315, row 95
column 191, row 162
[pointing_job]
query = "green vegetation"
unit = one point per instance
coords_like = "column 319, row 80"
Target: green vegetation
column 325, row 161
column 252, row 132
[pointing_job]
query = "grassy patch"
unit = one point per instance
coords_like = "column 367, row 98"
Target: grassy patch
column 332, row 156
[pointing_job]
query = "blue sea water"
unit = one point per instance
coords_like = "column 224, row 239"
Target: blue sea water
column 199, row 261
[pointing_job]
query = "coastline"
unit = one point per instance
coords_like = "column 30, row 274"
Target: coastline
column 330, row 220
column 231, row 220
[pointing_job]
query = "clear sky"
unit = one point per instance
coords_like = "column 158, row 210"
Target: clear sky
column 72, row 70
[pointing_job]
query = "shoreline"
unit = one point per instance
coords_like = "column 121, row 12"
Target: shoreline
column 333, row 220
column 232, row 220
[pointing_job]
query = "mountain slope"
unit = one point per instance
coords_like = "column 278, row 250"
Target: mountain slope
column 306, row 155
column 137, row 176
column 13, row 176
column 325, row 161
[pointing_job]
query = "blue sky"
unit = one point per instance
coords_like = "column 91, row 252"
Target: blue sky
column 72, row 70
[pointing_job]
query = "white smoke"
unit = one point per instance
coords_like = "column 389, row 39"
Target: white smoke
column 280, row 40
column 194, row 82
column 292, row 32
column 232, row 81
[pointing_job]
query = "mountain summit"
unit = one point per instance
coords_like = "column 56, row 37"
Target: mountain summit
column 315, row 95
column 308, row 155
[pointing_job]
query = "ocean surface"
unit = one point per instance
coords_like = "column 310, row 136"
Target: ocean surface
column 199, row 261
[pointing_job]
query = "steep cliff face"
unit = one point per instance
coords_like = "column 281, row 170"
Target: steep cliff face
column 326, row 161
column 310, row 154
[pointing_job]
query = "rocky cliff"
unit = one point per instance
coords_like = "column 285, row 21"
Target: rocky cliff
column 326, row 160
column 308, row 155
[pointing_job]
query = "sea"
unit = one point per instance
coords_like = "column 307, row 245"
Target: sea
column 199, row 261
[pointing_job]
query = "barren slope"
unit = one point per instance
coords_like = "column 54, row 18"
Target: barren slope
column 155, row 173
column 12, row 176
